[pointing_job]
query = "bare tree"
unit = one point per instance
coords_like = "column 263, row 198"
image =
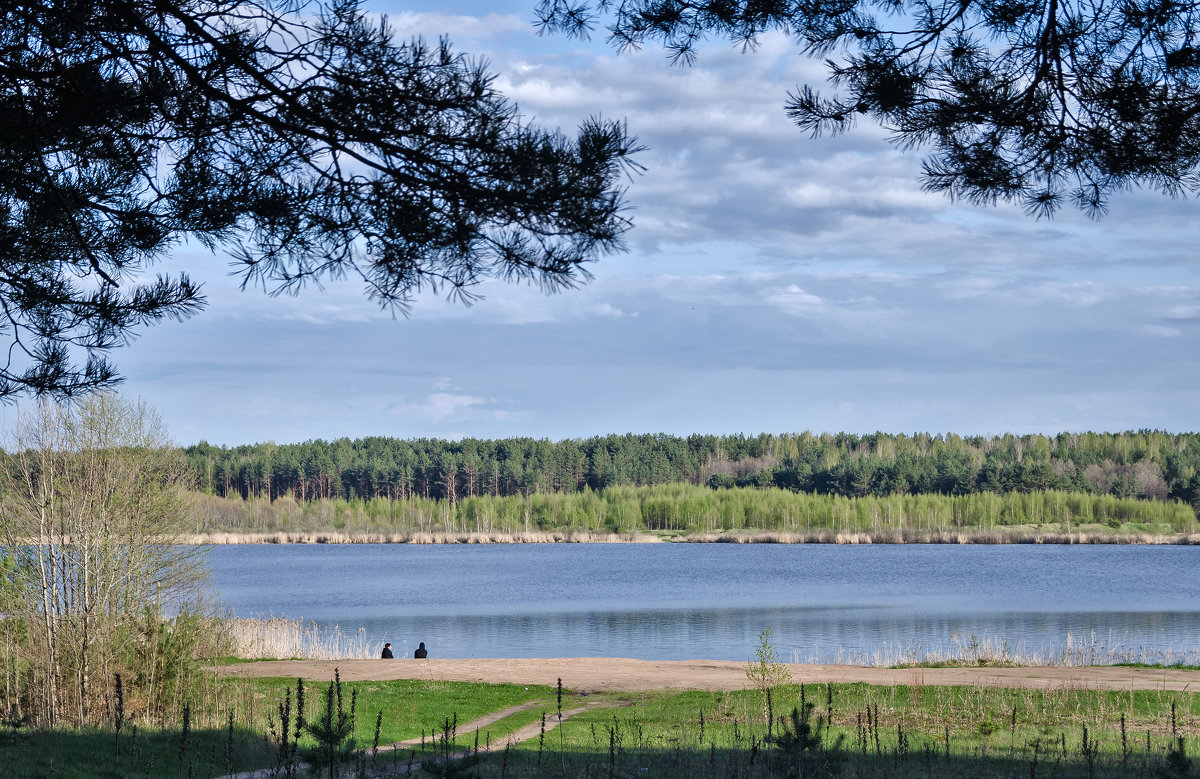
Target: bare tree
column 1150, row 480
column 1101, row 477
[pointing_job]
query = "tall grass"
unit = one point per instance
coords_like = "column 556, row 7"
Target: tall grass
column 863, row 731
column 257, row 638
column 1073, row 651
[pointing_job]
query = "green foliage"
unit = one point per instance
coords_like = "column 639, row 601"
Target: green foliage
column 1145, row 464
column 92, row 499
column 333, row 731
column 801, row 746
column 165, row 655
column 1178, row 763
column 15, row 587
column 411, row 707
column 766, row 671
column 902, row 731
column 684, row 508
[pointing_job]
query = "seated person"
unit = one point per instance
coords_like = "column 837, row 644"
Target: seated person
column 387, row 652
column 420, row 652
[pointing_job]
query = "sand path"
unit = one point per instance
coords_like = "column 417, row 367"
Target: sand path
column 614, row 674
column 409, row 766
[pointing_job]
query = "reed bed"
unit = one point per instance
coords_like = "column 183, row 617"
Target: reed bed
column 564, row 536
column 575, row 536
column 1074, row 651
column 258, row 638
column 913, row 536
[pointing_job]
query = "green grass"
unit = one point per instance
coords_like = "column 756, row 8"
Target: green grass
column 896, row 731
column 411, row 709
column 906, row 730
column 143, row 751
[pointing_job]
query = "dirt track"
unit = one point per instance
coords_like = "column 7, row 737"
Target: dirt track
column 606, row 674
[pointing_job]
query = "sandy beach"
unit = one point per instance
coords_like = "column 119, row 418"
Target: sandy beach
column 608, row 674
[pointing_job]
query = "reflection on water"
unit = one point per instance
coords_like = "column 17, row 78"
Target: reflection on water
column 816, row 635
column 822, row 603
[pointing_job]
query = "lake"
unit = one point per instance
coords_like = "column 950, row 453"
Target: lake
column 823, row 603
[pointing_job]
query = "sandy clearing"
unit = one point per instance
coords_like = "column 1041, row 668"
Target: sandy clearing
column 615, row 674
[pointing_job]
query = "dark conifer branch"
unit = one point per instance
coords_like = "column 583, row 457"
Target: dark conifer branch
column 301, row 137
column 1036, row 102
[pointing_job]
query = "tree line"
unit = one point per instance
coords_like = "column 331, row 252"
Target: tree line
column 1148, row 464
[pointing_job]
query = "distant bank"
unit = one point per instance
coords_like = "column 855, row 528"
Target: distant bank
column 567, row 536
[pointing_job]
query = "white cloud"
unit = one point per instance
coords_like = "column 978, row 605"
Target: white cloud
column 608, row 310
column 1076, row 294
column 794, row 300
column 462, row 30
column 1186, row 311
column 1160, row 331
column 812, row 280
column 969, row 288
column 445, row 405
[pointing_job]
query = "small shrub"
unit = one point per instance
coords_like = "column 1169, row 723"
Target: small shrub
column 766, row 670
column 332, row 731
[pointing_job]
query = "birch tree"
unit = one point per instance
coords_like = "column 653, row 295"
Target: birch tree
column 92, row 496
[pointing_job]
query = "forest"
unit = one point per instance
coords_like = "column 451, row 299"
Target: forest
column 1147, row 464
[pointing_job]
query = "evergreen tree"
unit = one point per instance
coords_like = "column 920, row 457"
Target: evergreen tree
column 1038, row 103
column 304, row 139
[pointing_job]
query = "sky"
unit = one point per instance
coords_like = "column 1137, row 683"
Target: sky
column 772, row 283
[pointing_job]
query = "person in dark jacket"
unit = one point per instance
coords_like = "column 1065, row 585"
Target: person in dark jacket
column 420, row 653
column 387, row 652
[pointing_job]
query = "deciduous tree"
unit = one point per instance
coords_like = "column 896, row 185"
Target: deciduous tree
column 92, row 499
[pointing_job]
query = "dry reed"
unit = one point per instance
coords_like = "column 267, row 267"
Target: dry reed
column 564, row 536
column 257, row 638
column 1073, row 651
column 913, row 536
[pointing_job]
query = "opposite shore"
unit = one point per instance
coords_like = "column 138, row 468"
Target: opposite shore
column 826, row 536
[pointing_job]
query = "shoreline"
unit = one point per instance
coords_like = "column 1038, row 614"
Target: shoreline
column 616, row 674
column 957, row 537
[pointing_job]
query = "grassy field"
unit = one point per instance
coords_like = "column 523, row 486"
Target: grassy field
column 839, row 730
column 240, row 726
column 876, row 731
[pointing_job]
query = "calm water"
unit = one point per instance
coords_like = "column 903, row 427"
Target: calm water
column 681, row 601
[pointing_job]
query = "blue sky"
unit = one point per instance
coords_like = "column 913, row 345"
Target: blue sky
column 773, row 283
